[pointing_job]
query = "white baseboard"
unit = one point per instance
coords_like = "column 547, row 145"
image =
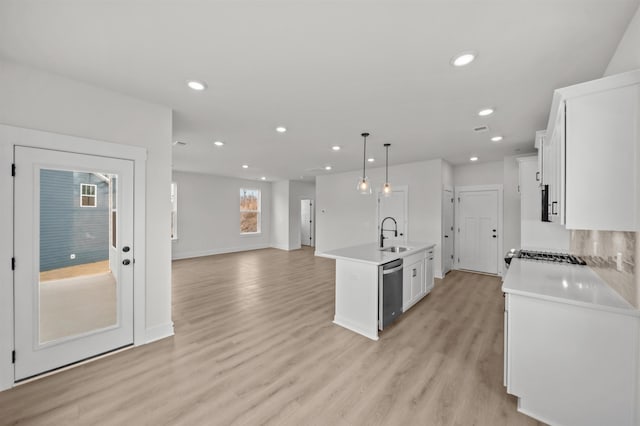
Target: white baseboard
column 357, row 328
column 192, row 254
column 280, row 247
column 158, row 332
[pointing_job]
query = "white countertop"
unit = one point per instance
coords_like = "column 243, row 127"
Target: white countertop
column 573, row 284
column 370, row 253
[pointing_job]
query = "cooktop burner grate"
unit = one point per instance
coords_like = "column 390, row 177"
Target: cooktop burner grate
column 550, row 257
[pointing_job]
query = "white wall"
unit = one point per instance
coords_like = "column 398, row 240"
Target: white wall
column 280, row 215
column 511, row 216
column 345, row 218
column 447, row 175
column 627, row 55
column 298, row 190
column 38, row 100
column 209, row 215
column 491, row 173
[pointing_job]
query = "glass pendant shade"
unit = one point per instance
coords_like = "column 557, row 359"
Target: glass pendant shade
column 386, row 189
column 364, row 187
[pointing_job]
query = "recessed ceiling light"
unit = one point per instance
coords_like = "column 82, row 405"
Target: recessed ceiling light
column 218, row 143
column 485, row 112
column 464, row 58
column 327, row 167
column 263, row 178
column 371, row 160
column 473, row 159
column 335, row 148
column 281, row 129
column 496, row 139
column 197, row 85
column 245, row 166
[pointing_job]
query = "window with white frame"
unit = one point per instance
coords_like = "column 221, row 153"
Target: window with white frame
column 88, row 197
column 174, row 211
column 249, row 211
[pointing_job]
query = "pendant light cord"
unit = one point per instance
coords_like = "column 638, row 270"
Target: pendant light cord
column 386, row 173
column 364, row 157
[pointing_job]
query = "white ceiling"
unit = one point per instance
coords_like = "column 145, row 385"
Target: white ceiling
column 327, row 70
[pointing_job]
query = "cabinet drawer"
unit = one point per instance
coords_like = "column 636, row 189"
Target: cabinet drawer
column 414, row 258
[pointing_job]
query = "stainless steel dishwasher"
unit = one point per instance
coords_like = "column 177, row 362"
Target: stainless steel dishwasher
column 390, row 293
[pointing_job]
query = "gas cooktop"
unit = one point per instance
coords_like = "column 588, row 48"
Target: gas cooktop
column 544, row 256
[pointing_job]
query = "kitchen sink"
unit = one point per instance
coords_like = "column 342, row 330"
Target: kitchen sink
column 395, row 249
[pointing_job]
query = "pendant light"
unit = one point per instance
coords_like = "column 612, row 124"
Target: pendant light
column 364, row 187
column 386, row 188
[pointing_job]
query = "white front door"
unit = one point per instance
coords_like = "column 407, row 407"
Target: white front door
column 393, row 206
column 447, row 231
column 478, row 231
column 73, row 253
column 306, row 222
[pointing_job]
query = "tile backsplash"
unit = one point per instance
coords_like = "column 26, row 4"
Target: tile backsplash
column 611, row 254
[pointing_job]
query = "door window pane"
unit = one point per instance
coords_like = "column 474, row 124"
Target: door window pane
column 77, row 288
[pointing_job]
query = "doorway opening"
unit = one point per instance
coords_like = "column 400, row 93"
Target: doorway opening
column 307, row 223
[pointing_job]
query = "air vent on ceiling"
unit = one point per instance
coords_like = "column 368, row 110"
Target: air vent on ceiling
column 179, row 143
column 481, row 129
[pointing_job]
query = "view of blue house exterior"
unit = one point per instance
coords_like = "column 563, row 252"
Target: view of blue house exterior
column 68, row 228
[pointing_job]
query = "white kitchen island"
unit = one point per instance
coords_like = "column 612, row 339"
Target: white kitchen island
column 357, row 280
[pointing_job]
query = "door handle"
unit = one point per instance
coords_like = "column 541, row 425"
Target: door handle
column 126, row 262
column 126, row 249
column 494, row 236
column 553, row 207
column 537, row 176
column 446, row 236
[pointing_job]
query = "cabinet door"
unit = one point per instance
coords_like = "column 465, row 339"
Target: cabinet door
column 602, row 158
column 416, row 272
column 406, row 289
column 427, row 283
column 553, row 164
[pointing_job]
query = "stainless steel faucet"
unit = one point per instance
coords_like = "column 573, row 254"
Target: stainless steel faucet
column 382, row 230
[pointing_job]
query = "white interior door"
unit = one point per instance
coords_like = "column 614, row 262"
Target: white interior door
column 73, row 275
column 394, row 206
column 447, row 231
column 478, row 231
column 306, row 222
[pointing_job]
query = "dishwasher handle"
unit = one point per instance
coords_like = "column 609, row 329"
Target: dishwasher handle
column 392, row 270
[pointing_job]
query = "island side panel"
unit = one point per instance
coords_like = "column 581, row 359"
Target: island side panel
column 357, row 297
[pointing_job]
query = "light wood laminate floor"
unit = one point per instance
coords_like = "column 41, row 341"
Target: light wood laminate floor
column 255, row 344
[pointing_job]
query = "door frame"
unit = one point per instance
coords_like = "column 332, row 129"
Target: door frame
column 312, row 215
column 456, row 221
column 11, row 136
column 380, row 195
column 450, row 190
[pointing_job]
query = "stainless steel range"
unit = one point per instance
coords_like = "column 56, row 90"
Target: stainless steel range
column 543, row 256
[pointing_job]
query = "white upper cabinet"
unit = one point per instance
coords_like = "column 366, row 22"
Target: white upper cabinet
column 590, row 160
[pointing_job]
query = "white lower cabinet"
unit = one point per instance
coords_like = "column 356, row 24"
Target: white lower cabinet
column 417, row 278
column 571, row 365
